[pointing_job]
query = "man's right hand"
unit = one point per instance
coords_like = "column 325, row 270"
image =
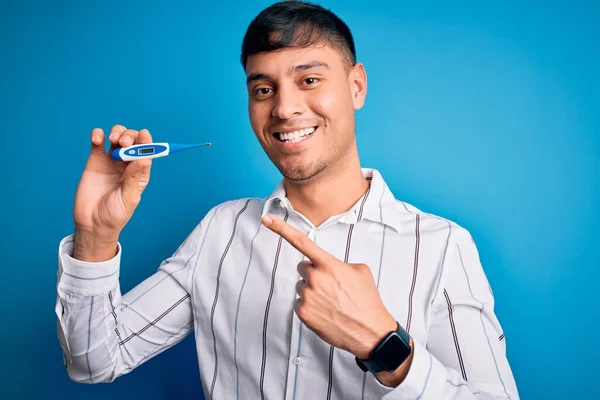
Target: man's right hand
column 108, row 194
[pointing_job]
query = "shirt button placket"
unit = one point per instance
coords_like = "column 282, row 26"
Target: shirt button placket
column 311, row 235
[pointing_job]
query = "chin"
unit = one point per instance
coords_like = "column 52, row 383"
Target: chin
column 301, row 173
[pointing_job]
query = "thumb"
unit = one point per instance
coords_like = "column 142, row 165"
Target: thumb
column 97, row 141
column 135, row 179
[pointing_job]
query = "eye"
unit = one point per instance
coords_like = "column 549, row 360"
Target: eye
column 261, row 92
column 311, row 81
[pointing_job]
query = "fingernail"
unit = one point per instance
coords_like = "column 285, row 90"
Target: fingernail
column 267, row 220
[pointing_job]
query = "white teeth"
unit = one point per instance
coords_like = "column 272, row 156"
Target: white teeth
column 296, row 136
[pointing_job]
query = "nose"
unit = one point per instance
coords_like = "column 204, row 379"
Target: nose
column 289, row 103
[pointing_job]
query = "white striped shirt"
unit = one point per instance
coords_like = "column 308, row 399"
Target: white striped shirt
column 232, row 283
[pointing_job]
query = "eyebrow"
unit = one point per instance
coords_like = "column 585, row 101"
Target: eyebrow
column 301, row 67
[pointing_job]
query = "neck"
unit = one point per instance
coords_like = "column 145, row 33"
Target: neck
column 332, row 192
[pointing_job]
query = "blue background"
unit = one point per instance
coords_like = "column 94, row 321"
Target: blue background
column 486, row 114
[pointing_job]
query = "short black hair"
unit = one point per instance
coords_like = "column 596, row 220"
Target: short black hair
column 297, row 24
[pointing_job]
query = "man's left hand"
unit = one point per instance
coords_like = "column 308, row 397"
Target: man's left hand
column 338, row 301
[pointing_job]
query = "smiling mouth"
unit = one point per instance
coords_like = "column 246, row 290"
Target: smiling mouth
column 295, row 136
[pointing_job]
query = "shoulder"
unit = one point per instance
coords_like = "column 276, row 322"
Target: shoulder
column 458, row 255
column 433, row 223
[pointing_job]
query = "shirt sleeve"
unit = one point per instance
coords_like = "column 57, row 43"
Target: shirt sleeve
column 104, row 335
column 465, row 354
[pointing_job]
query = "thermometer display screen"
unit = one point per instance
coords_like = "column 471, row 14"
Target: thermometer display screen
column 147, row 150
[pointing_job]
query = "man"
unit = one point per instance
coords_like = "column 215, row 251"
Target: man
column 329, row 288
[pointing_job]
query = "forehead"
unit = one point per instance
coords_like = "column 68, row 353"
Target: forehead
column 283, row 60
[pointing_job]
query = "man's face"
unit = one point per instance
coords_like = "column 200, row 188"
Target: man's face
column 301, row 106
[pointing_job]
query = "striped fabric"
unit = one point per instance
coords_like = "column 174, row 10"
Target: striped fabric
column 232, row 284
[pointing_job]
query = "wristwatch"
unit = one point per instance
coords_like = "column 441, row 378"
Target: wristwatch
column 389, row 353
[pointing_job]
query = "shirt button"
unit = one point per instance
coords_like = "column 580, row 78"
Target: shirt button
column 297, row 360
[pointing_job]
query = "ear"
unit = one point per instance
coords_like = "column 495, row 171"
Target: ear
column 358, row 85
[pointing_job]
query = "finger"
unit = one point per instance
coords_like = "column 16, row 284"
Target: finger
column 97, row 140
column 297, row 304
column 115, row 135
column 300, row 310
column 144, row 136
column 299, row 240
column 128, row 138
column 300, row 286
column 302, row 267
column 137, row 174
column 135, row 179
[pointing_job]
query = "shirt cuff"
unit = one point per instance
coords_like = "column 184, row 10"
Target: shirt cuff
column 83, row 278
column 424, row 370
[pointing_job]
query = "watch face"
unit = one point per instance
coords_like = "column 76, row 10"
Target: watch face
column 393, row 352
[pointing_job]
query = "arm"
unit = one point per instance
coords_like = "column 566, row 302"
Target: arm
column 465, row 355
column 105, row 335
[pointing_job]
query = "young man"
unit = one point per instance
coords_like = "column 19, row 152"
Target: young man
column 329, row 288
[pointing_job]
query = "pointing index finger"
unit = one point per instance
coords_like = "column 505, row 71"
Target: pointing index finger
column 299, row 240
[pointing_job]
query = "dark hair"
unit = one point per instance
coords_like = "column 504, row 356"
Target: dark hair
column 297, row 24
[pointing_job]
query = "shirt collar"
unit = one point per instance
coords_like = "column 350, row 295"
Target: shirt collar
column 377, row 205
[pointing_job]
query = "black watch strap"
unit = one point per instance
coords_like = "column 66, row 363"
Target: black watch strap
column 389, row 353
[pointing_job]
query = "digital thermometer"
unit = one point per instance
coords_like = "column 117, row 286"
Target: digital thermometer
column 150, row 150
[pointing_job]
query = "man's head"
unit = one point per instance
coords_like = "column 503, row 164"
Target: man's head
column 303, row 85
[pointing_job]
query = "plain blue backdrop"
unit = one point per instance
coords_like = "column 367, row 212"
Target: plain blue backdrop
column 483, row 113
